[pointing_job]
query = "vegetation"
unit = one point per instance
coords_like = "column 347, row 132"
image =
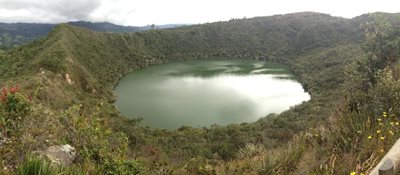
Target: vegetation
column 37, row 166
column 14, row 34
column 65, row 97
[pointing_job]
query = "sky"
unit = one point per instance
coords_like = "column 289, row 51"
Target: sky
column 146, row 12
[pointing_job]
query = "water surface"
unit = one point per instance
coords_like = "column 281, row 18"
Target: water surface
column 201, row 93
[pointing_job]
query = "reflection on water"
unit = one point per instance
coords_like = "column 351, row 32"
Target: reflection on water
column 201, row 93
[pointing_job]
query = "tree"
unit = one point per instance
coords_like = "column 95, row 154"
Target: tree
column 381, row 49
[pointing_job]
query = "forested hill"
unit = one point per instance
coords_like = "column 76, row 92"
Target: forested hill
column 107, row 56
column 68, row 78
column 13, row 34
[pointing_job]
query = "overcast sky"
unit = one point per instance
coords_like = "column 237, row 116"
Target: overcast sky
column 144, row 12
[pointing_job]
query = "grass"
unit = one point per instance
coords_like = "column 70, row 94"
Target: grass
column 37, row 166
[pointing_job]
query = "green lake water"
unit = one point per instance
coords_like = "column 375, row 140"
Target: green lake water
column 202, row 93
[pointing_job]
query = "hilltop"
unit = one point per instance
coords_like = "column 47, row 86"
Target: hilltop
column 68, row 78
column 14, row 34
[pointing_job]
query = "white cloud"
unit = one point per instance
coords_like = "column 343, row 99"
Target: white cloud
column 143, row 12
column 49, row 11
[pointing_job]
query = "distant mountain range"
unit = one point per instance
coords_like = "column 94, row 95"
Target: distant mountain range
column 12, row 34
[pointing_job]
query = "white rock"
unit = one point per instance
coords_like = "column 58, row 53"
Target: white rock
column 68, row 78
column 63, row 155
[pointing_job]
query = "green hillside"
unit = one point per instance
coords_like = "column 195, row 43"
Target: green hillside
column 14, row 34
column 65, row 97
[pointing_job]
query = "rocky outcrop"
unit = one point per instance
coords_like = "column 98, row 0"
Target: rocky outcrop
column 62, row 155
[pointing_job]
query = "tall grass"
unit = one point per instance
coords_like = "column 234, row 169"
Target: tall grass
column 37, row 166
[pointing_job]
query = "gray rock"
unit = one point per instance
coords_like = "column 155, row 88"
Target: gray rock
column 62, row 155
column 3, row 140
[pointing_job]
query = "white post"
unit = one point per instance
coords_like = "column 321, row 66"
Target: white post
column 390, row 163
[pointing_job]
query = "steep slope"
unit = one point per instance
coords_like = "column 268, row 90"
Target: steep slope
column 14, row 34
column 278, row 38
column 74, row 65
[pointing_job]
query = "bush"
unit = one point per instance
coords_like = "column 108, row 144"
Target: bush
column 13, row 108
column 199, row 166
column 54, row 62
column 127, row 167
column 97, row 144
column 251, row 150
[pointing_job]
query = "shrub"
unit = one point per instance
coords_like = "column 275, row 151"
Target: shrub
column 251, row 150
column 199, row 166
column 54, row 61
column 123, row 167
column 14, row 106
column 97, row 144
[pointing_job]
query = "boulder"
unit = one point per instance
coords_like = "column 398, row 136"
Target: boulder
column 62, row 154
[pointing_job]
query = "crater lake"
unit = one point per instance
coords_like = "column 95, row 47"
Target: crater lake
column 202, row 93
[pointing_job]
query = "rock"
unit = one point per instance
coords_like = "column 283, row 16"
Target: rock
column 69, row 60
column 3, row 140
column 41, row 71
column 68, row 78
column 62, row 155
